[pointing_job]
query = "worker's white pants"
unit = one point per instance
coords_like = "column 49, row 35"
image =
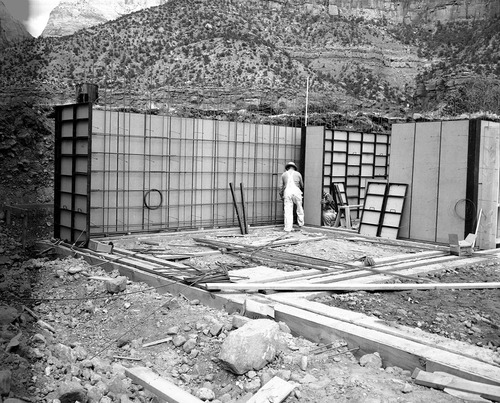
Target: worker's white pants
column 289, row 202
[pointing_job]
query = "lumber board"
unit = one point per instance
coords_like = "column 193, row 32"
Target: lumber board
column 405, row 257
column 452, row 178
column 441, row 380
column 374, row 323
column 276, row 390
column 349, row 287
column 425, row 184
column 393, row 350
column 401, row 166
column 151, row 259
column 159, row 386
column 427, row 269
column 416, row 269
column 489, row 162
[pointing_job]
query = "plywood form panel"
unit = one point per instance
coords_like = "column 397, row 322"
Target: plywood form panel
column 401, row 166
column 488, row 192
column 452, row 179
column 313, row 180
column 425, row 181
column 196, row 166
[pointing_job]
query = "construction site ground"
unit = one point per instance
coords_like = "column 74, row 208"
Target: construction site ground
column 60, row 327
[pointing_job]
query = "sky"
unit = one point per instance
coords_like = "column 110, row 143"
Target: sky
column 32, row 13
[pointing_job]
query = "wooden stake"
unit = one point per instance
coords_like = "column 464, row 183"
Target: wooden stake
column 348, row 287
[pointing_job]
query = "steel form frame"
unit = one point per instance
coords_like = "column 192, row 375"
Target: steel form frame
column 188, row 162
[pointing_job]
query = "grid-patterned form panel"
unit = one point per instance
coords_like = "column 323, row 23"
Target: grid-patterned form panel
column 72, row 173
column 354, row 158
column 158, row 172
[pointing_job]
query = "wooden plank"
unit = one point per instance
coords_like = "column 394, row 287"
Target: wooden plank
column 489, row 186
column 349, row 287
column 276, row 390
column 159, row 386
column 393, row 350
column 374, row 323
column 425, row 181
column 151, row 259
column 441, row 380
column 452, row 179
column 401, row 166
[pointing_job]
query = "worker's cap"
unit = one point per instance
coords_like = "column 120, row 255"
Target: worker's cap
column 290, row 164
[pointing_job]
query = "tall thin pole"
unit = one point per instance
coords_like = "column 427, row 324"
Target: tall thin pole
column 307, row 99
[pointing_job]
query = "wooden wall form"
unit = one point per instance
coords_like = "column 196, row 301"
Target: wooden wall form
column 150, row 173
column 451, row 168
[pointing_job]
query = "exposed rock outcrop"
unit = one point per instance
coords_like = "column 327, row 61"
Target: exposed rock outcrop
column 421, row 11
column 72, row 15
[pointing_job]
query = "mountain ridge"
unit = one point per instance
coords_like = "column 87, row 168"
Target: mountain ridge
column 197, row 55
column 12, row 31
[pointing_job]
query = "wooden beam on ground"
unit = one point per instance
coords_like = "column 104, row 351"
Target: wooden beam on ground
column 347, row 287
column 374, row 323
column 355, row 236
column 150, row 259
column 276, row 390
column 441, row 380
column 394, row 350
column 162, row 388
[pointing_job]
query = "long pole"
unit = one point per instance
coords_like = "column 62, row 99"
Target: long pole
column 307, row 100
column 237, row 210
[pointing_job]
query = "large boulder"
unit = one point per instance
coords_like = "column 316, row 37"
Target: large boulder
column 251, row 346
column 115, row 285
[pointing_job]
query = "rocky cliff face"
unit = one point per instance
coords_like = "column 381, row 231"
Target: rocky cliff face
column 71, row 15
column 417, row 11
column 11, row 30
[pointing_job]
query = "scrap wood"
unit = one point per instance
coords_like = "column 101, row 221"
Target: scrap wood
column 162, row 388
column 156, row 342
column 441, row 380
column 348, row 287
column 275, row 391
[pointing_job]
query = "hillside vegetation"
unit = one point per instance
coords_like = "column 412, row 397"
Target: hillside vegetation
column 233, row 55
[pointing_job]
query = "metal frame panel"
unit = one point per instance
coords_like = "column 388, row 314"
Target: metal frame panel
column 73, row 143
